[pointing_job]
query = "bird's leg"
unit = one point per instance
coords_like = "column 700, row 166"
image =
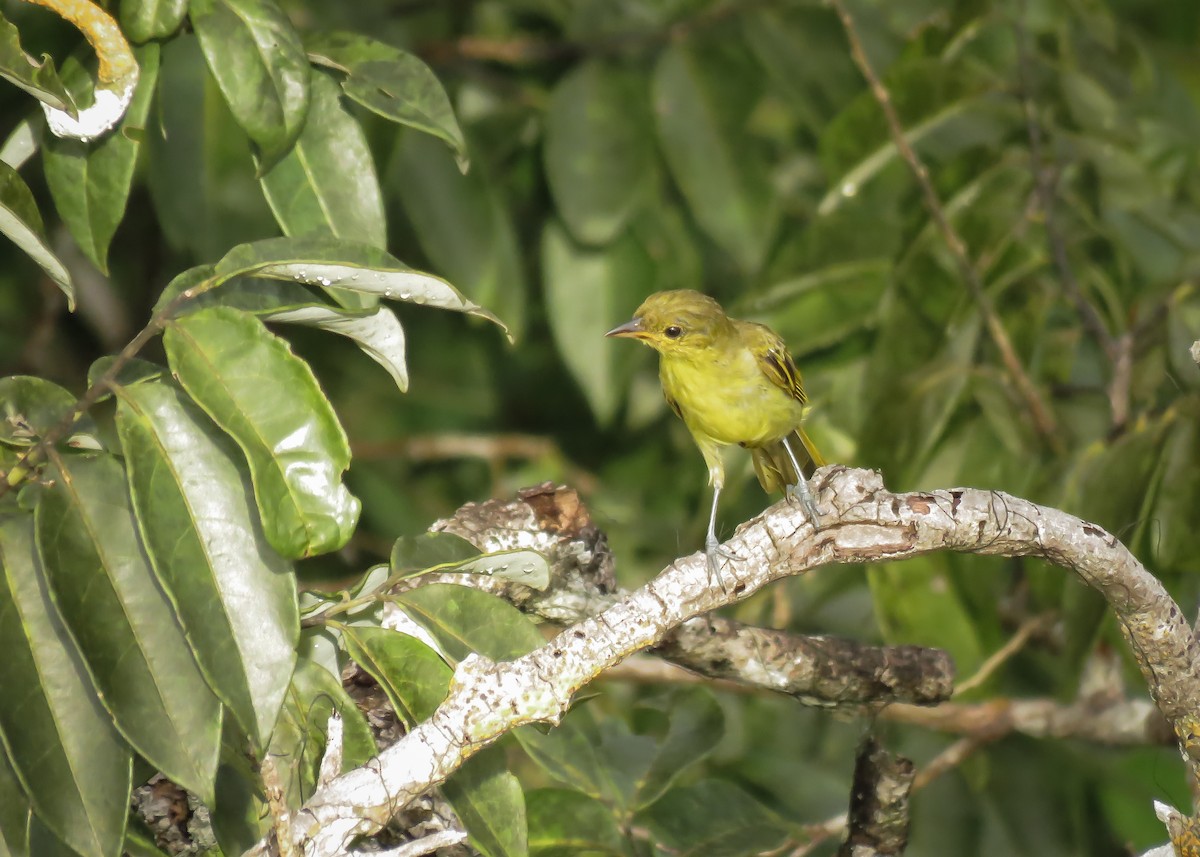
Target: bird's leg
column 713, row 549
column 800, row 490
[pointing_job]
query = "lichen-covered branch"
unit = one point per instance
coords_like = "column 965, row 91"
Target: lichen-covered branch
column 862, row 522
column 878, row 817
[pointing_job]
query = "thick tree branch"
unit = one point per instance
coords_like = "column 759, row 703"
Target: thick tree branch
column 878, row 817
column 863, row 522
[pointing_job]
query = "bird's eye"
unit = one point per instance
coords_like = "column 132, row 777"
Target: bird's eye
column 673, row 332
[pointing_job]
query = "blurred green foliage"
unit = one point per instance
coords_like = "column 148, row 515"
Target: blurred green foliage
column 619, row 148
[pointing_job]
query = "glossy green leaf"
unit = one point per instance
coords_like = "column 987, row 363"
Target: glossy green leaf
column 599, row 151
column 489, row 801
column 38, row 78
column 90, row 182
column 588, row 292
column 256, row 58
column 44, row 843
column 565, row 823
column 702, row 97
column 31, row 406
column 252, row 385
column 301, row 733
column 61, row 741
column 143, row 20
column 463, row 226
column 326, row 184
column 341, row 265
column 464, row 620
column 714, row 818
column 391, row 82
column 697, row 724
column 123, row 622
column 20, row 145
column 14, row 806
column 235, row 596
column 380, row 334
column 22, row 224
column 412, row 555
column 415, row 679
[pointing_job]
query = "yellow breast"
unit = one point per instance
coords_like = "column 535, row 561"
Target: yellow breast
column 726, row 397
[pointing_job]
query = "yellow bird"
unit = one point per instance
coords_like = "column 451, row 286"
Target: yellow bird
column 731, row 382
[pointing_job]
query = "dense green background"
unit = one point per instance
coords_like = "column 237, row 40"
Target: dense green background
column 619, row 147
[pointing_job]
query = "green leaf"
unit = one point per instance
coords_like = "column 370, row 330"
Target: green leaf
column 565, row 823
column 14, row 806
column 588, row 292
column 21, row 145
column 124, row 623
column 490, row 803
column 254, row 387
column 415, row 679
column 30, row 407
column 380, row 334
column 326, row 184
column 44, row 843
column 301, row 734
column 90, row 182
column 391, row 82
column 21, row 222
column 139, row 840
column 62, row 744
column 603, row 760
column 463, row 226
column 599, row 152
column 39, row 79
column 445, row 552
column 235, row 596
column 257, row 59
column 340, row 265
column 697, row 724
column 702, row 97
column 143, row 20
column 714, row 818
column 464, row 620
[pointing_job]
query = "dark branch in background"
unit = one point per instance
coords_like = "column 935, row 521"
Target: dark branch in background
column 1119, row 350
column 878, row 818
column 1043, row 420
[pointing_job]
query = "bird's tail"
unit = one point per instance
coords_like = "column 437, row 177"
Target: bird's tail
column 774, row 467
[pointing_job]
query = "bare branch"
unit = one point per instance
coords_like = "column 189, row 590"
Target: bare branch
column 867, row 524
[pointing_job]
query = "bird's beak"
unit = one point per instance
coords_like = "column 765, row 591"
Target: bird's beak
column 632, row 329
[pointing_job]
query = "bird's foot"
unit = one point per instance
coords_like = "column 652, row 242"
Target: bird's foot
column 801, row 492
column 713, row 553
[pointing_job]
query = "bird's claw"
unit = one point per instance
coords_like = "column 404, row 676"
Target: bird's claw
column 713, row 553
column 800, row 492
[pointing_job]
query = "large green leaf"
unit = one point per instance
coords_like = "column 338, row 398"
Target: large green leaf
column 489, row 801
column 143, row 20
column 392, row 82
column 326, row 184
column 123, row 622
column 599, row 150
column 587, row 293
column 463, row 226
column 415, row 679
column 22, row 224
column 38, row 78
column 14, row 806
column 90, row 182
column 256, row 58
column 565, row 823
column 697, row 724
column 63, row 747
column 714, row 818
column 702, row 97
column 234, row 595
column 254, row 387
column 464, row 620
column 31, row 406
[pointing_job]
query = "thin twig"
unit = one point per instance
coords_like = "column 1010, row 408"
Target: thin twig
column 37, row 453
column 1001, row 655
column 1042, row 418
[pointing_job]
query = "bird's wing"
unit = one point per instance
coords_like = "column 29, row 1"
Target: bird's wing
column 771, row 352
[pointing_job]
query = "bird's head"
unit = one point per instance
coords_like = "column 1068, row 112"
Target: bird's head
column 676, row 322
